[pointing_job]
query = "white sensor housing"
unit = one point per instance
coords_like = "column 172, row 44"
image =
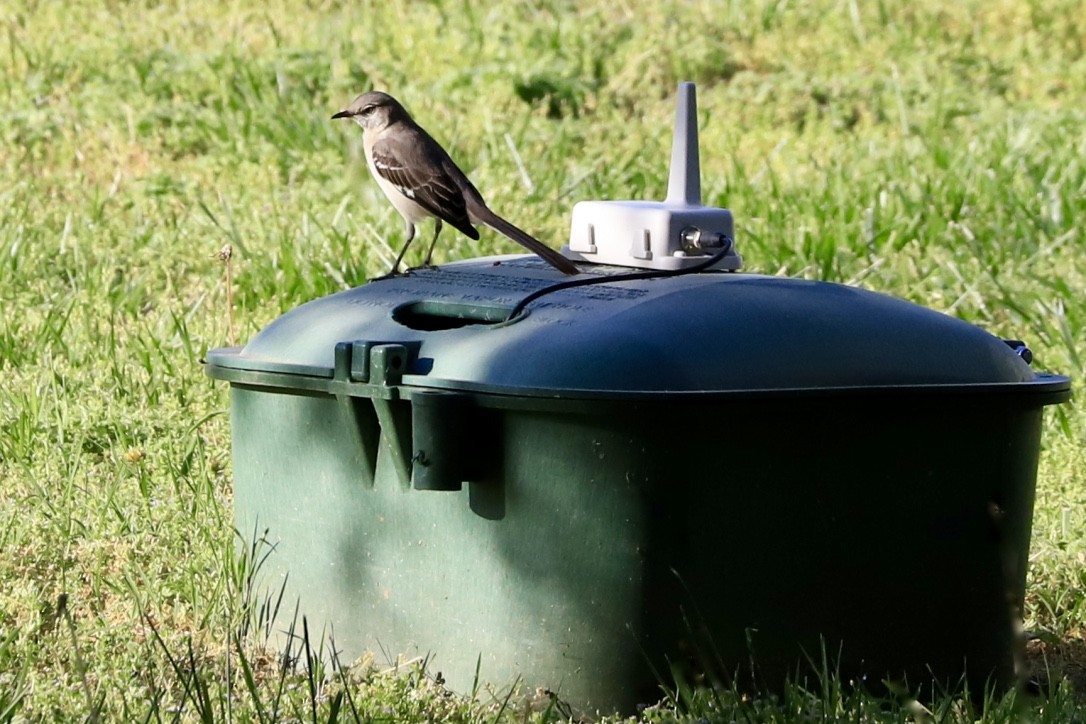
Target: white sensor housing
column 654, row 234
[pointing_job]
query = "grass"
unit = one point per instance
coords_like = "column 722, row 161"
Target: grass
column 932, row 150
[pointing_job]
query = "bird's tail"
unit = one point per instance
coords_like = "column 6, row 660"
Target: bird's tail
column 484, row 215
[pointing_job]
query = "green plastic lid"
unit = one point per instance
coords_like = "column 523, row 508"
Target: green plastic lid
column 706, row 333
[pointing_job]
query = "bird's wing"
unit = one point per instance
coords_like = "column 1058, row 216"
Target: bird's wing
column 416, row 172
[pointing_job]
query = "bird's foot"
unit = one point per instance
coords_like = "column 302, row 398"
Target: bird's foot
column 390, row 275
column 423, row 267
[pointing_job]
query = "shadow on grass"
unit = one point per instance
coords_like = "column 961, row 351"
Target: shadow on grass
column 699, row 687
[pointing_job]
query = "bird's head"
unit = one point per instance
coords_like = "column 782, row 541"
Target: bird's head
column 373, row 111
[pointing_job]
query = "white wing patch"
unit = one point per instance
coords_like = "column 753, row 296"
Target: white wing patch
column 384, row 165
column 392, row 172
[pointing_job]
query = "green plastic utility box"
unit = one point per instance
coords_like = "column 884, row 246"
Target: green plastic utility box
column 641, row 476
column 640, row 470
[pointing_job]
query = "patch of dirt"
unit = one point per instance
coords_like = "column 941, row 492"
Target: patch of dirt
column 1052, row 660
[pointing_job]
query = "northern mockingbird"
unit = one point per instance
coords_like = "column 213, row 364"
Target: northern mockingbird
column 420, row 179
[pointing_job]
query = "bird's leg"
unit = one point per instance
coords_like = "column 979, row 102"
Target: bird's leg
column 396, row 264
column 430, row 253
column 407, row 243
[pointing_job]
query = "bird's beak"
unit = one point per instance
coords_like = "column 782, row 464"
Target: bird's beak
column 342, row 114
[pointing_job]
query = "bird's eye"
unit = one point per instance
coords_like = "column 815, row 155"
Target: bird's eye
column 368, row 109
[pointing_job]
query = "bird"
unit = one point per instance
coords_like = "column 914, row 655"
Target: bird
column 421, row 180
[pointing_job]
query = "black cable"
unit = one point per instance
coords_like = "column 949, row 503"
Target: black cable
column 627, row 277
